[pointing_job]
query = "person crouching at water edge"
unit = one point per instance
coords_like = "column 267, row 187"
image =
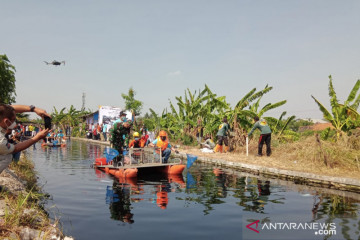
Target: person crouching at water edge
column 222, row 137
column 7, row 124
column 265, row 135
column 162, row 144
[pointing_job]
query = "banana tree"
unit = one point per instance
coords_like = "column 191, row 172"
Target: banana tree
column 154, row 122
column 58, row 116
column 280, row 127
column 343, row 117
column 241, row 118
column 71, row 117
column 62, row 118
column 198, row 108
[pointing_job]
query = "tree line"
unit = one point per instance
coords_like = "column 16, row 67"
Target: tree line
column 203, row 110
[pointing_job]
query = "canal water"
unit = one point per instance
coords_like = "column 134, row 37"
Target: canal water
column 204, row 203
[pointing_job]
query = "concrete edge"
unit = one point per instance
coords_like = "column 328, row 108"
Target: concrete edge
column 347, row 184
column 91, row 141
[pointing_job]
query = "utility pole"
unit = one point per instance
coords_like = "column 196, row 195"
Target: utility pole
column 83, row 102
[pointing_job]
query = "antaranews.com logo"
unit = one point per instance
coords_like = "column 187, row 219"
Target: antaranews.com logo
column 322, row 229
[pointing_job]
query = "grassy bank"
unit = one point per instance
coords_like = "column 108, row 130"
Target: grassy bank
column 309, row 154
column 23, row 213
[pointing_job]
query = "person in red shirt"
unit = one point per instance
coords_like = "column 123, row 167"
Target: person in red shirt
column 98, row 131
column 144, row 140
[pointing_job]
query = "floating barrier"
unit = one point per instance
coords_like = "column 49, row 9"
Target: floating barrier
column 176, row 169
column 52, row 145
column 100, row 161
column 142, row 160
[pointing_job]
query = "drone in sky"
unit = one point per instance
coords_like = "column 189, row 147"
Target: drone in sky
column 55, row 63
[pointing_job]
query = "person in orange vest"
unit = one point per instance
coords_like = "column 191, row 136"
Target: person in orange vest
column 162, row 144
column 136, row 142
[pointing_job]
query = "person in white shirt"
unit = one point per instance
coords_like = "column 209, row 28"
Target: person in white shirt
column 7, row 124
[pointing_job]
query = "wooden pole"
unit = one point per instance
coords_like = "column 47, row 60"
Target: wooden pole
column 247, row 146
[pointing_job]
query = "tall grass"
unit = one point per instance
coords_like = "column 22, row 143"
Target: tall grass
column 338, row 158
column 25, row 170
column 341, row 156
column 23, row 210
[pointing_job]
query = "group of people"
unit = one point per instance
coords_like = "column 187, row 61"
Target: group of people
column 223, row 132
column 161, row 143
column 55, row 138
column 21, row 131
column 120, row 139
column 98, row 131
column 29, row 130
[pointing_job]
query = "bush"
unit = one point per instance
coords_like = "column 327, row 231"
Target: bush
column 307, row 133
column 189, row 140
column 327, row 134
column 76, row 132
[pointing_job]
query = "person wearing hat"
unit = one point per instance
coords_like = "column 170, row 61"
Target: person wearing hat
column 265, row 135
column 136, row 142
column 222, row 137
column 162, row 146
column 122, row 117
column 60, row 136
column 119, row 137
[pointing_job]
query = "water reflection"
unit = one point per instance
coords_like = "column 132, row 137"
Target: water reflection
column 126, row 191
column 197, row 199
column 329, row 207
column 209, row 188
column 118, row 198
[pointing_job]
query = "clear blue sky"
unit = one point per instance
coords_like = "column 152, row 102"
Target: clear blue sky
column 162, row 47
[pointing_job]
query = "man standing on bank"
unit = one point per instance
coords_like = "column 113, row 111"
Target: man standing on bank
column 265, row 135
column 8, row 123
column 222, row 137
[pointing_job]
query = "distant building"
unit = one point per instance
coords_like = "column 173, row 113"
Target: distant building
column 317, row 120
column 92, row 118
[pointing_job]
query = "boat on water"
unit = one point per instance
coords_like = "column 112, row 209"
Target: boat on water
column 139, row 161
column 53, row 145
